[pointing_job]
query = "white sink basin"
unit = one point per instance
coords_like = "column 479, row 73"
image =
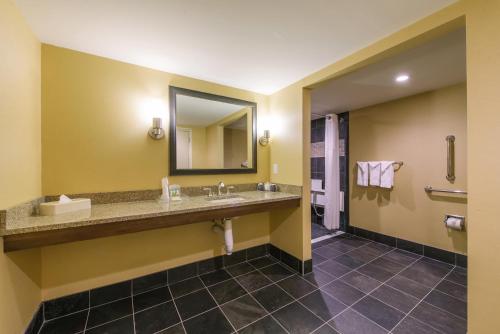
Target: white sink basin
column 225, row 200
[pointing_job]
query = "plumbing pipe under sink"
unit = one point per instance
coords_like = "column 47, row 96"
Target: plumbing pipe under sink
column 225, row 227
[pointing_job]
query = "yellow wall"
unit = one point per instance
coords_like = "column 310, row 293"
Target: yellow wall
column 412, row 130
column 20, row 175
column 483, row 133
column 216, row 138
column 290, row 142
column 215, row 146
column 94, row 126
column 20, row 165
column 108, row 150
column 235, row 147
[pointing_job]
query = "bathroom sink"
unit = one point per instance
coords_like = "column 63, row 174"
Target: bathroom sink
column 224, row 199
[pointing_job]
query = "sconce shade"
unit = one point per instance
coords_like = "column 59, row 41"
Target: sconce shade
column 156, row 131
column 265, row 139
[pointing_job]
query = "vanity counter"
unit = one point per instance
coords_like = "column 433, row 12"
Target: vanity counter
column 128, row 217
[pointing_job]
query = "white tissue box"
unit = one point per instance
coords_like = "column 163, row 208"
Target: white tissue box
column 57, row 208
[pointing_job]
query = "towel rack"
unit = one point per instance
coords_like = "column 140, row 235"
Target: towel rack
column 399, row 164
column 429, row 189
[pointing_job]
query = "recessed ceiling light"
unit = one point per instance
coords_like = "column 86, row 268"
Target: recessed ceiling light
column 402, row 78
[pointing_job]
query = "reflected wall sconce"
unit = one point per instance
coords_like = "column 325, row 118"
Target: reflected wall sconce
column 156, row 131
column 266, row 138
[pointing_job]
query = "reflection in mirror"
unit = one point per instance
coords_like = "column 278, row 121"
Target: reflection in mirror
column 213, row 133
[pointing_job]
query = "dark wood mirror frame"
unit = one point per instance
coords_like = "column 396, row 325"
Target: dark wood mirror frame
column 174, row 91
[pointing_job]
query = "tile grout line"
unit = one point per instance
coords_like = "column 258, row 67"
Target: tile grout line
column 211, row 285
column 125, row 316
column 317, row 289
column 218, row 306
column 108, row 322
column 434, row 288
column 88, row 316
column 251, row 296
column 367, row 294
column 133, row 308
column 465, row 286
column 447, row 294
column 72, row 313
column 89, row 308
column 206, row 287
column 297, row 299
column 442, row 309
column 398, row 240
column 425, row 286
column 43, row 317
column 421, row 300
column 286, row 292
column 376, row 258
column 177, row 310
column 155, row 305
column 255, row 299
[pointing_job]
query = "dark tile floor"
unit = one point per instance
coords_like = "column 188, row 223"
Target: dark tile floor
column 318, row 230
column 356, row 287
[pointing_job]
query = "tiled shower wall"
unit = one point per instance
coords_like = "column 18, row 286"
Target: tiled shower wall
column 318, row 161
column 318, row 149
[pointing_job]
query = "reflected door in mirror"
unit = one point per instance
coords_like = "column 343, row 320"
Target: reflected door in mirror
column 184, row 151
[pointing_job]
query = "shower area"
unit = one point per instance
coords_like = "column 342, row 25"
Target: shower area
column 329, row 176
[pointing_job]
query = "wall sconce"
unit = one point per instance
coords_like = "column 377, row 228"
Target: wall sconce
column 266, row 138
column 156, row 131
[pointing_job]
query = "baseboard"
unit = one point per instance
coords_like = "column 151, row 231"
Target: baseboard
column 410, row 246
column 302, row 267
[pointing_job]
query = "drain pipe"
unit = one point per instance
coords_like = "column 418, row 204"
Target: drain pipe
column 225, row 227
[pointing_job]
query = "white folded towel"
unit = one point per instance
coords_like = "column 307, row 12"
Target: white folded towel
column 387, row 174
column 362, row 173
column 374, row 167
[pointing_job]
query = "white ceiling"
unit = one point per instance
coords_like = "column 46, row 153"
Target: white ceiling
column 259, row 45
column 432, row 65
column 201, row 112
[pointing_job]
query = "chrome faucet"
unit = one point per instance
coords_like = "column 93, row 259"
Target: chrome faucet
column 219, row 187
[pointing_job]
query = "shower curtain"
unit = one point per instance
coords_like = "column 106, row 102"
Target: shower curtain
column 332, row 170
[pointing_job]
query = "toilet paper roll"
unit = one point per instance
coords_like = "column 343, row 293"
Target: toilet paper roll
column 454, row 223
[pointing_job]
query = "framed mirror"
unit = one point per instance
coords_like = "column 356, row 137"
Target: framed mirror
column 211, row 134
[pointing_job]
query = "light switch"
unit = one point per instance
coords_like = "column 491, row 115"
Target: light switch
column 275, row 168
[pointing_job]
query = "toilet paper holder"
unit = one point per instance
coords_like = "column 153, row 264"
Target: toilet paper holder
column 461, row 227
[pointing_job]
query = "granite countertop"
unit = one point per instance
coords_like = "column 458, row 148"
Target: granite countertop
column 125, row 211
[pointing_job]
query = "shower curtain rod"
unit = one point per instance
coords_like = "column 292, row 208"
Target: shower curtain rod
column 324, row 116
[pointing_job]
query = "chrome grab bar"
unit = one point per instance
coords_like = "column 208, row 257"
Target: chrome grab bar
column 429, row 189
